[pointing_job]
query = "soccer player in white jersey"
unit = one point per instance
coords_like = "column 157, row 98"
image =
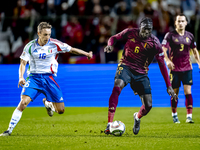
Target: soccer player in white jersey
column 42, row 56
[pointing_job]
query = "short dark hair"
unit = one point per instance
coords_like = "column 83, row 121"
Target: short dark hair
column 43, row 25
column 146, row 20
column 181, row 14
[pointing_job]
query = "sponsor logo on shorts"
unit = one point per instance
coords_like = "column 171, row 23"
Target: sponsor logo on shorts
column 190, row 81
column 120, row 68
column 61, row 99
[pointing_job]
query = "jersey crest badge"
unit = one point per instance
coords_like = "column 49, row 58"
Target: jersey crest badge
column 187, row 39
column 133, row 40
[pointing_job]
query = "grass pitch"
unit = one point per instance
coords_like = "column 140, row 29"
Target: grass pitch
column 81, row 128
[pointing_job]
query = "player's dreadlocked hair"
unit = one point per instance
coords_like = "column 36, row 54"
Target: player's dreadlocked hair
column 146, row 20
column 43, row 25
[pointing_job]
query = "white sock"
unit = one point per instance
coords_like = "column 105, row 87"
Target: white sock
column 16, row 116
column 50, row 105
column 189, row 115
column 174, row 114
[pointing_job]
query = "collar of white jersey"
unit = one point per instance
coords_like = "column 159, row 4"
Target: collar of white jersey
column 39, row 44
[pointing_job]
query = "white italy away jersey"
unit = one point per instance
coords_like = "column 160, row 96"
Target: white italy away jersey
column 43, row 59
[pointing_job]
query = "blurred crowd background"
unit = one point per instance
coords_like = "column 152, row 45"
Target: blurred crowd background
column 87, row 24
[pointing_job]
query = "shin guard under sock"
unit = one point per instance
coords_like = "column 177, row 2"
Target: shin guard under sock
column 113, row 101
column 189, row 103
column 173, row 105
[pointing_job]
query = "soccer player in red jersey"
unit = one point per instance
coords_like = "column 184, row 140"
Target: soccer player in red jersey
column 179, row 43
column 140, row 48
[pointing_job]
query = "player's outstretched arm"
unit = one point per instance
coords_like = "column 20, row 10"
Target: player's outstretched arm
column 21, row 73
column 113, row 39
column 196, row 56
column 169, row 63
column 81, row 52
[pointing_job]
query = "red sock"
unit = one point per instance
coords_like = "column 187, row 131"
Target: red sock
column 143, row 111
column 113, row 101
column 189, row 103
column 110, row 116
column 139, row 115
column 173, row 105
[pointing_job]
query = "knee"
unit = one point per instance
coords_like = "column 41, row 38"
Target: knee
column 119, row 83
column 147, row 102
column 61, row 111
column 23, row 103
column 148, row 108
column 187, row 89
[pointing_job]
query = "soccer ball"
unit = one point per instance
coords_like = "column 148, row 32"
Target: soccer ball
column 117, row 128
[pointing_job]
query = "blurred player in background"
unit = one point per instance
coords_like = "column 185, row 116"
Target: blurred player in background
column 140, row 48
column 42, row 54
column 179, row 43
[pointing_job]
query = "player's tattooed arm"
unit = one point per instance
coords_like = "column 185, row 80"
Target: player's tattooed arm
column 21, row 73
column 169, row 63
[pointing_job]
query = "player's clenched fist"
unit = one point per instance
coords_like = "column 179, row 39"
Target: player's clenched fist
column 108, row 49
column 21, row 82
column 90, row 55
